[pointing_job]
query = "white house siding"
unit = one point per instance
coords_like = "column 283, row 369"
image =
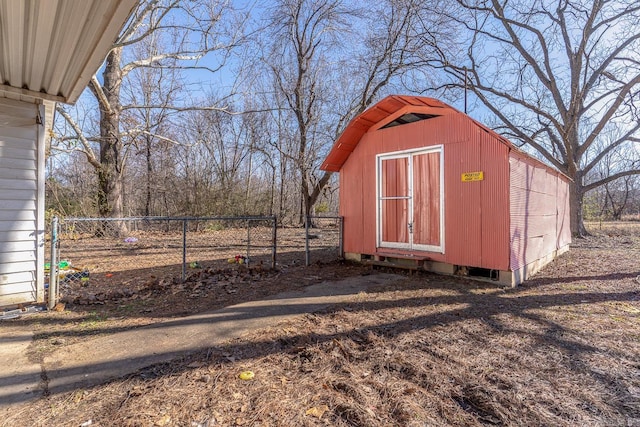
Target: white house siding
column 21, row 202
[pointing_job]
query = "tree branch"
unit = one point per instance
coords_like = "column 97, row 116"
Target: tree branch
column 611, row 110
column 96, row 88
column 610, row 178
column 87, row 151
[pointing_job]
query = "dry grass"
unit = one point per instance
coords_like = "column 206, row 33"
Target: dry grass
column 563, row 349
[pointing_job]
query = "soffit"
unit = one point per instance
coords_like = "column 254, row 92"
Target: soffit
column 49, row 49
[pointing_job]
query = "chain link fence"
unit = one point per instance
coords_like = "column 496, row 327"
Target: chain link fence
column 323, row 238
column 98, row 248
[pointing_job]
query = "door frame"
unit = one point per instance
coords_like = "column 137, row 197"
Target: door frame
column 409, row 154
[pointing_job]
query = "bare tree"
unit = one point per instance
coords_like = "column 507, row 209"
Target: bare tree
column 184, row 32
column 225, row 147
column 557, row 75
column 323, row 89
column 150, row 130
column 304, row 33
column 615, row 196
column 318, row 64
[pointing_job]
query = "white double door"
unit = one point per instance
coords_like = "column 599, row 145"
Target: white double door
column 410, row 200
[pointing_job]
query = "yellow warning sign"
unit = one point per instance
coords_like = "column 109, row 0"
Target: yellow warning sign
column 472, row 176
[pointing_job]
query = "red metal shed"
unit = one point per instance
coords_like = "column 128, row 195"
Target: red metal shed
column 424, row 185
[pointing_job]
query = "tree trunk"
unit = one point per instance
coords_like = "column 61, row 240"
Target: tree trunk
column 305, row 209
column 147, row 204
column 281, row 201
column 310, row 198
column 273, row 190
column 576, row 198
column 247, row 205
column 110, row 177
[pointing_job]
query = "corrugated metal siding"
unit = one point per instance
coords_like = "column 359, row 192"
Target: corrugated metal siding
column 495, row 203
column 50, row 49
column 351, row 207
column 473, row 210
column 563, row 225
column 539, row 211
column 463, row 204
column 20, row 200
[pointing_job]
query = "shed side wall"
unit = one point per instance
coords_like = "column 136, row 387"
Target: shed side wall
column 563, row 226
column 539, row 212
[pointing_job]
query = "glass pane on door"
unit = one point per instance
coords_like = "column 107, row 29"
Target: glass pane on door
column 426, row 199
column 395, row 177
column 395, row 200
column 395, row 221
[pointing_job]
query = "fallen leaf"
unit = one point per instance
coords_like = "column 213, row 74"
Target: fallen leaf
column 166, row 419
column 317, row 411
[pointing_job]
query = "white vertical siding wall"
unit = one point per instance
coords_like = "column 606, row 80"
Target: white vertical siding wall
column 21, row 202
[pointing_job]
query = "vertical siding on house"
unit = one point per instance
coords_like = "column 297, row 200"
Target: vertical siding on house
column 21, row 246
column 539, row 216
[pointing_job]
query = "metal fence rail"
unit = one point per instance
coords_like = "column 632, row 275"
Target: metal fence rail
column 172, row 246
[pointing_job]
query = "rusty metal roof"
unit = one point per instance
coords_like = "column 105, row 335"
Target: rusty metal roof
column 50, row 49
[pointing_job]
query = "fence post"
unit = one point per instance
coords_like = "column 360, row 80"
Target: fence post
column 184, row 249
column 53, row 265
column 307, row 255
column 274, row 242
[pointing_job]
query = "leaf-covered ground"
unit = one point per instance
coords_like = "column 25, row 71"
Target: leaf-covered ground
column 562, row 349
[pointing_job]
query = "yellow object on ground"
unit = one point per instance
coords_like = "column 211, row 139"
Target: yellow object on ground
column 246, row 375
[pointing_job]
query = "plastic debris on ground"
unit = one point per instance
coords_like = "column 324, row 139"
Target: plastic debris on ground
column 21, row 311
column 238, row 259
column 68, row 273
